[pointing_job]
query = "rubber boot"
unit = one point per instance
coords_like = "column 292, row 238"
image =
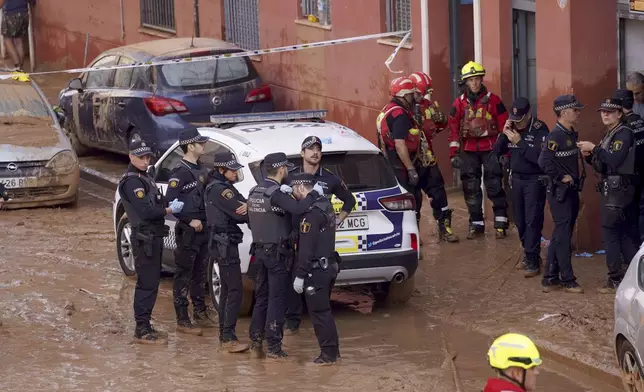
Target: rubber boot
column 475, row 231
column 445, row 232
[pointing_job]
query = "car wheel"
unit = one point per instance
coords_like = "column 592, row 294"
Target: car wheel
column 214, row 288
column 124, row 246
column 630, row 368
column 77, row 146
column 392, row 293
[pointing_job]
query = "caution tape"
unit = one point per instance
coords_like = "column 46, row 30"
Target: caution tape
column 393, row 55
column 248, row 53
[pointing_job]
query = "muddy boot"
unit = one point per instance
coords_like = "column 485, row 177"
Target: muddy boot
column 573, row 288
column 550, row 287
column 147, row 335
column 203, row 320
column 234, row 347
column 475, row 231
column 445, row 232
column 532, row 268
column 278, row 355
column 160, row 334
column 256, row 350
column 521, row 265
column 184, row 325
column 500, row 233
column 324, row 360
column 291, row 331
column 610, row 287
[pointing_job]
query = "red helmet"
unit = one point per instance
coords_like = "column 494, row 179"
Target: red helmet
column 402, row 86
column 422, row 81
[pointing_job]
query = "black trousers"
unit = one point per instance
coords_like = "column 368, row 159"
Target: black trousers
column 431, row 182
column 294, row 304
column 617, row 226
column 528, row 204
column 475, row 164
column 191, row 260
column 147, row 264
column 564, row 215
column 319, row 305
column 231, row 295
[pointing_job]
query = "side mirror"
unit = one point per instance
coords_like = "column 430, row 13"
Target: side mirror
column 152, row 171
column 75, row 84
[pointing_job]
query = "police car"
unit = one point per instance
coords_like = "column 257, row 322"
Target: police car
column 378, row 241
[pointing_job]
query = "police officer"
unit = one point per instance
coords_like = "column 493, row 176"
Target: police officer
column 145, row 209
column 317, row 266
column 270, row 210
column 614, row 159
column 636, row 124
column 523, row 136
column 187, row 183
column 226, row 209
column 332, row 185
column 475, row 120
column 432, row 121
column 559, row 159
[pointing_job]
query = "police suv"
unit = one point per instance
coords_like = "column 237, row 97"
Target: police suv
column 378, row 241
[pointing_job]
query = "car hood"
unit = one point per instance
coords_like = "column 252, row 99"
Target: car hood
column 11, row 153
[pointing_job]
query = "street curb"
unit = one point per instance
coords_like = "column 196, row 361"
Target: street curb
column 99, row 178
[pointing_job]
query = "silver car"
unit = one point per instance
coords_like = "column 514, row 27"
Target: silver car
column 629, row 324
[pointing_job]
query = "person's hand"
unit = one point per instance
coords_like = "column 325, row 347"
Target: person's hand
column 438, row 117
column 196, row 224
column 242, row 209
column 338, row 221
column 298, row 285
column 286, row 189
column 513, row 136
column 176, row 206
column 566, row 179
column 586, row 146
column 413, row 176
column 318, row 188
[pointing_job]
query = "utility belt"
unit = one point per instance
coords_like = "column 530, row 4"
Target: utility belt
column 323, row 263
column 147, row 234
column 617, row 190
column 560, row 190
column 220, row 242
column 187, row 234
column 527, row 176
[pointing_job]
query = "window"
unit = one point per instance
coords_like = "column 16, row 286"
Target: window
column 359, row 171
column 242, row 23
column 321, row 9
column 207, row 74
column 158, row 14
column 123, row 77
column 398, row 15
column 640, row 273
column 100, row 79
column 206, row 160
column 24, row 101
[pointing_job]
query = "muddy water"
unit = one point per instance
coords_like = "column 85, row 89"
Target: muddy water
column 66, row 311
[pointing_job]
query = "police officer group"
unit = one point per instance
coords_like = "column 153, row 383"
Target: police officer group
column 293, row 225
column 486, row 140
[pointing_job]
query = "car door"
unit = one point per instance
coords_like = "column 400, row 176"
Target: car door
column 125, row 103
column 94, row 106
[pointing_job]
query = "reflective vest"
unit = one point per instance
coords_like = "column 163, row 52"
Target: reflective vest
column 478, row 121
column 268, row 223
column 152, row 194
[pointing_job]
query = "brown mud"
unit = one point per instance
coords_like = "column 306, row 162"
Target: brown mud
column 25, row 131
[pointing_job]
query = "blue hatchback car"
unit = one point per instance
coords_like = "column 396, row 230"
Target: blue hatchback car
column 107, row 109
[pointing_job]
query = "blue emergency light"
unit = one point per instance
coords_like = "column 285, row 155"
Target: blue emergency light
column 268, row 116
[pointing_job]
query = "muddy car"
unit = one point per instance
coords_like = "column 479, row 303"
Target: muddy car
column 107, row 109
column 37, row 163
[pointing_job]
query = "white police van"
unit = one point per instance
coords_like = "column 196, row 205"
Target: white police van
column 378, row 242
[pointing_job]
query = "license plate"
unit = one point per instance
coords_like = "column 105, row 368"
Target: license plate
column 14, row 182
column 358, row 222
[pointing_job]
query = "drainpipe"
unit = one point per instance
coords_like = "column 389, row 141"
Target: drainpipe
column 478, row 49
column 196, row 21
column 122, row 23
column 424, row 22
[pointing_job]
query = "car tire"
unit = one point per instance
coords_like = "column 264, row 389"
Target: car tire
column 214, row 287
column 392, row 293
column 124, row 246
column 631, row 372
column 72, row 135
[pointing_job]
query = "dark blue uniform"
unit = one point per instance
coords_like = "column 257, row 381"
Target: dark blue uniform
column 636, row 124
column 528, row 187
column 560, row 157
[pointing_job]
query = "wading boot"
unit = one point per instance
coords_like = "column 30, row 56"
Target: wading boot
column 475, row 231
column 204, row 320
column 234, row 347
column 610, row 287
column 445, row 232
column 256, row 350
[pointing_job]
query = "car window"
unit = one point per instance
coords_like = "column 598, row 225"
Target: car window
column 360, row 171
column 20, row 99
column 100, row 79
column 207, row 74
column 206, row 160
column 123, row 77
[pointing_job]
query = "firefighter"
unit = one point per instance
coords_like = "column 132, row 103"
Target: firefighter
column 475, row 120
column 430, row 180
column 515, row 359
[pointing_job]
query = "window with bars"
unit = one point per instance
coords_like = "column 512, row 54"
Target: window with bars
column 242, row 23
column 321, row 9
column 398, row 15
column 158, row 14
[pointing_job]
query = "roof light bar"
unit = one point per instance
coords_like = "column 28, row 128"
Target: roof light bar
column 268, row 116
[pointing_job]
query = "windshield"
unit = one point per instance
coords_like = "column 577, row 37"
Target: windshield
column 20, row 99
column 207, row 74
column 360, row 171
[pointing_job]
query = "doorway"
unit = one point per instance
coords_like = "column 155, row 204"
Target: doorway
column 524, row 61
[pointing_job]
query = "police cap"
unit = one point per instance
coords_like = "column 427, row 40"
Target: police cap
column 610, row 105
column 520, row 107
column 140, row 148
column 626, row 96
column 311, row 141
column 276, row 160
column 301, row 179
column 191, row 135
column 227, row 160
column 567, row 102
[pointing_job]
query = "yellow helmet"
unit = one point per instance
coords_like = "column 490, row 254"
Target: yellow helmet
column 472, row 69
column 513, row 349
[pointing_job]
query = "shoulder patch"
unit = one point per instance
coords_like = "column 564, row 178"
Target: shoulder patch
column 202, row 179
column 552, row 145
column 173, row 182
column 569, row 143
column 617, row 145
column 139, row 193
column 537, row 124
column 305, row 227
column 227, row 194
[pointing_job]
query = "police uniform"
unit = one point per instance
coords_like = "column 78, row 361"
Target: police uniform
column 145, row 209
column 270, row 211
column 222, row 201
column 187, row 182
column 614, row 159
column 527, row 181
column 317, row 265
column 332, row 185
column 636, row 124
column 559, row 157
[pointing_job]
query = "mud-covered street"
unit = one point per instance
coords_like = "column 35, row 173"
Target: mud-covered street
column 66, row 310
